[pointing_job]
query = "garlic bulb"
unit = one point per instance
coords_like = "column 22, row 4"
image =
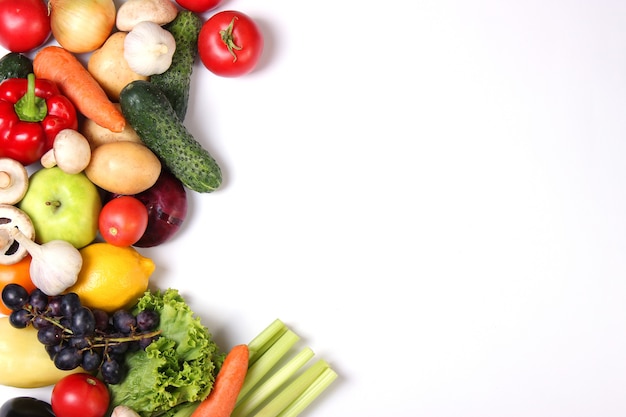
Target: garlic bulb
column 55, row 265
column 148, row 48
column 123, row 411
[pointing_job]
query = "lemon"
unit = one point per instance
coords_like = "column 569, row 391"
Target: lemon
column 112, row 277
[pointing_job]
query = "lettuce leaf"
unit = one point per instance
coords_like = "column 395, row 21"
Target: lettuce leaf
column 177, row 368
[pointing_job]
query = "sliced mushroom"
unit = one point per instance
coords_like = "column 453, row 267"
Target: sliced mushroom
column 10, row 249
column 13, row 181
column 71, row 152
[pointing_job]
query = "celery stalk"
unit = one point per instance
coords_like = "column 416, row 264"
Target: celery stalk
column 264, row 340
column 293, row 390
column 268, row 387
column 266, row 362
column 310, row 394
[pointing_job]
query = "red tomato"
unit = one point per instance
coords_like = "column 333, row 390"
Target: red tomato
column 17, row 273
column 230, row 44
column 198, row 6
column 24, row 24
column 80, row 395
column 123, row 220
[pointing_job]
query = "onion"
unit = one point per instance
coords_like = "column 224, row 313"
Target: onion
column 81, row 25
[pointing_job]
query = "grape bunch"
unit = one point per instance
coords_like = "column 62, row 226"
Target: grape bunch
column 75, row 335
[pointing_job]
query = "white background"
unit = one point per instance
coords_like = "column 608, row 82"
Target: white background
column 431, row 194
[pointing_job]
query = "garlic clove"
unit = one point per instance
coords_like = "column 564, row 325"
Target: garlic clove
column 55, row 265
column 123, row 411
column 149, row 49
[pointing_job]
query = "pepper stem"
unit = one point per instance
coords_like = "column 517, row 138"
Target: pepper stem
column 227, row 38
column 31, row 108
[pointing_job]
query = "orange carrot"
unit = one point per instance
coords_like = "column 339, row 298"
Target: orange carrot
column 223, row 398
column 77, row 84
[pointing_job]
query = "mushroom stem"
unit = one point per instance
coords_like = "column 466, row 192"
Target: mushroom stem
column 71, row 152
column 5, row 180
column 5, row 239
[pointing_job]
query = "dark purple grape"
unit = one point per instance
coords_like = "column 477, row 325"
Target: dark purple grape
column 102, row 319
column 68, row 358
column 38, row 300
column 91, row 360
column 50, row 336
column 112, row 371
column 124, row 321
column 14, row 296
column 79, row 342
column 65, row 322
column 147, row 320
column 83, row 322
column 20, row 318
column 39, row 322
column 69, row 303
column 145, row 342
column 118, row 348
column 54, row 306
column 53, row 350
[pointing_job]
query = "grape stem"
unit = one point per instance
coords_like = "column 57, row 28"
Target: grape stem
column 96, row 341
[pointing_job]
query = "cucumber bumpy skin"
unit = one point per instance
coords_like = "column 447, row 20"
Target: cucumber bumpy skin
column 175, row 82
column 149, row 112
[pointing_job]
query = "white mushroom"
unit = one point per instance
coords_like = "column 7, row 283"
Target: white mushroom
column 11, row 251
column 71, row 152
column 13, row 181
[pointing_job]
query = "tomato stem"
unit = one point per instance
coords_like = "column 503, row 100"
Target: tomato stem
column 227, row 38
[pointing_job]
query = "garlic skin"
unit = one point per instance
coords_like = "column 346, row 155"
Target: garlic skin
column 54, row 266
column 148, row 48
column 123, row 411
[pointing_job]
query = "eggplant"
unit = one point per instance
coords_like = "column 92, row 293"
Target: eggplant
column 26, row 407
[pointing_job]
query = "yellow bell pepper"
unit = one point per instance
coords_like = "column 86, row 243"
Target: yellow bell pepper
column 24, row 362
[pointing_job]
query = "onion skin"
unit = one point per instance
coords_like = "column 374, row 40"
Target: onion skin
column 82, row 26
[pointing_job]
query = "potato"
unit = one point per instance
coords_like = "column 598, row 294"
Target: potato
column 24, row 363
column 123, row 167
column 108, row 66
column 132, row 12
column 98, row 135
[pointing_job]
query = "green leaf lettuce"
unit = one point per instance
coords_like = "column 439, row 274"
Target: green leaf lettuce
column 177, row 368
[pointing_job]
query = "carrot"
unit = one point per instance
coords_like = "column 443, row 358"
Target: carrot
column 78, row 85
column 223, row 397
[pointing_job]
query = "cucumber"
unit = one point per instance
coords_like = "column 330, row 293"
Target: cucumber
column 15, row 65
column 149, row 112
column 176, row 81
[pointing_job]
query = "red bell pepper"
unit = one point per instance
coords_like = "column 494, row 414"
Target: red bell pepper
column 32, row 112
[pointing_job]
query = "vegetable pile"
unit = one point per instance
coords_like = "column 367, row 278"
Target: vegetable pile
column 95, row 162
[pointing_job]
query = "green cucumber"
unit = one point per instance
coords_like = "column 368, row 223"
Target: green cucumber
column 176, row 81
column 149, row 112
column 15, row 65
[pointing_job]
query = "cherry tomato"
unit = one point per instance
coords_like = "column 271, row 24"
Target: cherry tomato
column 230, row 44
column 198, row 6
column 24, row 24
column 123, row 220
column 18, row 273
column 80, row 395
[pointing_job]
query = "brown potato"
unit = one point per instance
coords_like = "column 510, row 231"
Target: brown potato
column 98, row 135
column 123, row 167
column 108, row 66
